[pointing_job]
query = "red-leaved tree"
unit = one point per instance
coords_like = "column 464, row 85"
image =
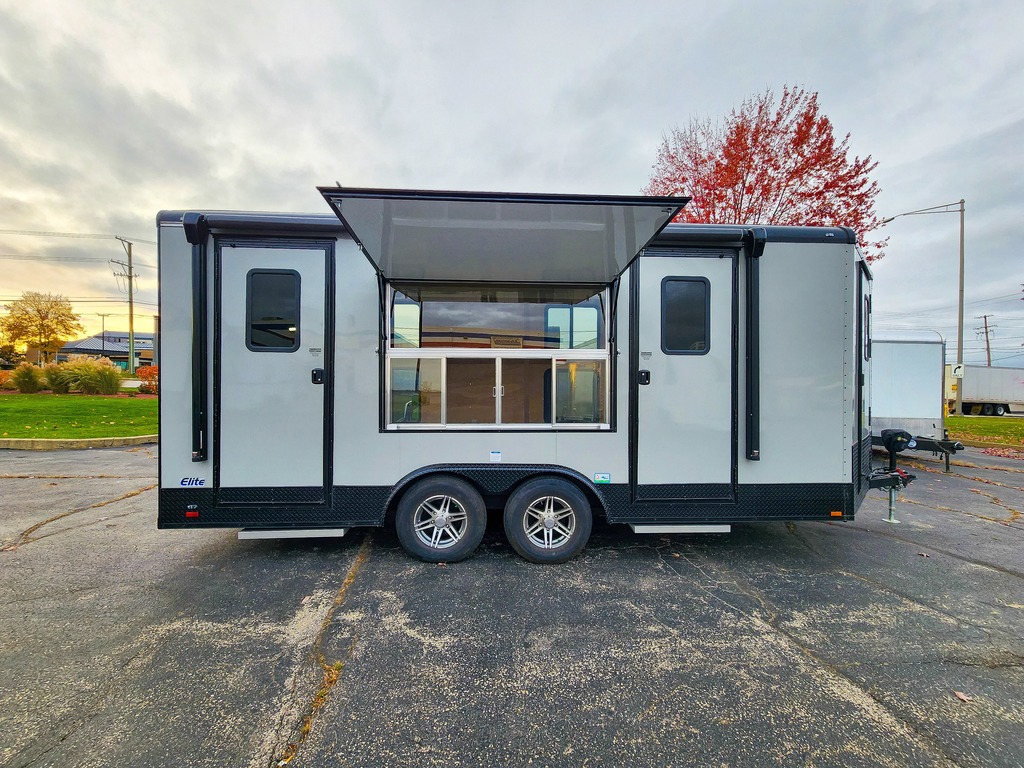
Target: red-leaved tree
column 770, row 163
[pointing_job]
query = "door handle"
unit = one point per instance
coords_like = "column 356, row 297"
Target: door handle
column 317, row 376
column 643, row 377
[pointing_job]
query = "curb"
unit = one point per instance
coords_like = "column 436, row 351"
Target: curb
column 59, row 445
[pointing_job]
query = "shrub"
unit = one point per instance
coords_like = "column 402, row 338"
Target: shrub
column 108, row 379
column 92, row 375
column 57, row 379
column 149, row 375
column 27, row 378
column 5, row 380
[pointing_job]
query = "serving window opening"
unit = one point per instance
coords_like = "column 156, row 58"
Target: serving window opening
column 482, row 355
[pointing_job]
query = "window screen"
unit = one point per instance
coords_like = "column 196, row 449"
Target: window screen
column 685, row 313
column 272, row 310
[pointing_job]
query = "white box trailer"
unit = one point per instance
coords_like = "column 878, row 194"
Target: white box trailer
column 987, row 391
column 907, row 391
column 906, row 383
column 419, row 357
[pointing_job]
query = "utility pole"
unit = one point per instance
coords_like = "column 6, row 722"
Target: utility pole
column 130, row 276
column 103, row 334
column 987, row 331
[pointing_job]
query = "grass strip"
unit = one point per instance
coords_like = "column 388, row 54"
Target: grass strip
column 46, row 416
column 987, row 429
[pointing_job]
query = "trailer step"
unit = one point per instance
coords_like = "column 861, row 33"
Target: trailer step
column 680, row 528
column 290, row 533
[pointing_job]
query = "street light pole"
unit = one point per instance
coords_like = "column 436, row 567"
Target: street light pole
column 950, row 208
column 960, row 328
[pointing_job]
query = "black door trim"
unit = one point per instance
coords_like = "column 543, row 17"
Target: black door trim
column 303, row 496
column 682, row 493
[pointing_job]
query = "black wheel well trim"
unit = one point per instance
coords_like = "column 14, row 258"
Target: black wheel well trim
column 599, row 504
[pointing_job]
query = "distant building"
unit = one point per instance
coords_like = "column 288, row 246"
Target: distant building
column 112, row 345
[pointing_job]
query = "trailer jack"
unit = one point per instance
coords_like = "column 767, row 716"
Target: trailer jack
column 893, row 478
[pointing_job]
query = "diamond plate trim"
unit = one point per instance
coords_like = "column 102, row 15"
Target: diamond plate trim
column 271, row 496
column 351, row 506
column 685, row 492
column 753, row 503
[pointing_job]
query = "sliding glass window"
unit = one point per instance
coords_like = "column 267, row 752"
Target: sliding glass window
column 480, row 355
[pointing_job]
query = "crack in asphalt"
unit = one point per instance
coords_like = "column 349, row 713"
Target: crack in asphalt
column 1014, row 513
column 331, row 670
column 745, row 588
column 964, row 476
column 73, row 477
column 912, row 599
column 26, row 536
column 1009, row 522
column 93, row 708
column 949, row 553
column 964, row 465
column 792, row 528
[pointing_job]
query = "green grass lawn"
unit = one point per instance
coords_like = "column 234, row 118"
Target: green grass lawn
column 75, row 416
column 986, row 429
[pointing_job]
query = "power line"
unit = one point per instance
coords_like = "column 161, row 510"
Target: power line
column 62, row 259
column 946, row 307
column 79, row 235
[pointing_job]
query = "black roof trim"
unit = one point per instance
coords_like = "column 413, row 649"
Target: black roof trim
column 733, row 234
column 311, row 223
column 673, row 234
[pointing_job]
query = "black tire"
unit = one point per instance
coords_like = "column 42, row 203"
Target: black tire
column 986, row 409
column 548, row 520
column 1000, row 410
column 441, row 520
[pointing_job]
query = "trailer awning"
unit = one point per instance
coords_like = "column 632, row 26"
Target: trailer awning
column 493, row 237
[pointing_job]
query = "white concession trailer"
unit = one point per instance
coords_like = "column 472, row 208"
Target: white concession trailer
column 419, row 357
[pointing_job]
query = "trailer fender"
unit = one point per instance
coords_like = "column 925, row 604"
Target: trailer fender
column 497, row 481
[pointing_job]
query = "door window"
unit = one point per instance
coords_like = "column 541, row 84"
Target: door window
column 272, row 310
column 685, row 314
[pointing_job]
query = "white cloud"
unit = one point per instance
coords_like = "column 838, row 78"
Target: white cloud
column 114, row 112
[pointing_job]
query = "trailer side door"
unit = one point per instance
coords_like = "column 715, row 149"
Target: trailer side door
column 272, row 373
column 685, row 364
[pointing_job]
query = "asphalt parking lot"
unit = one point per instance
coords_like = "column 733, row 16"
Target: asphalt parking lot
column 817, row 644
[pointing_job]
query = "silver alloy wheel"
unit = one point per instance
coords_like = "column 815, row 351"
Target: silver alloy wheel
column 549, row 522
column 440, row 521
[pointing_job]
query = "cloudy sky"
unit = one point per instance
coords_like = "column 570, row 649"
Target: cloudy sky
column 112, row 111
